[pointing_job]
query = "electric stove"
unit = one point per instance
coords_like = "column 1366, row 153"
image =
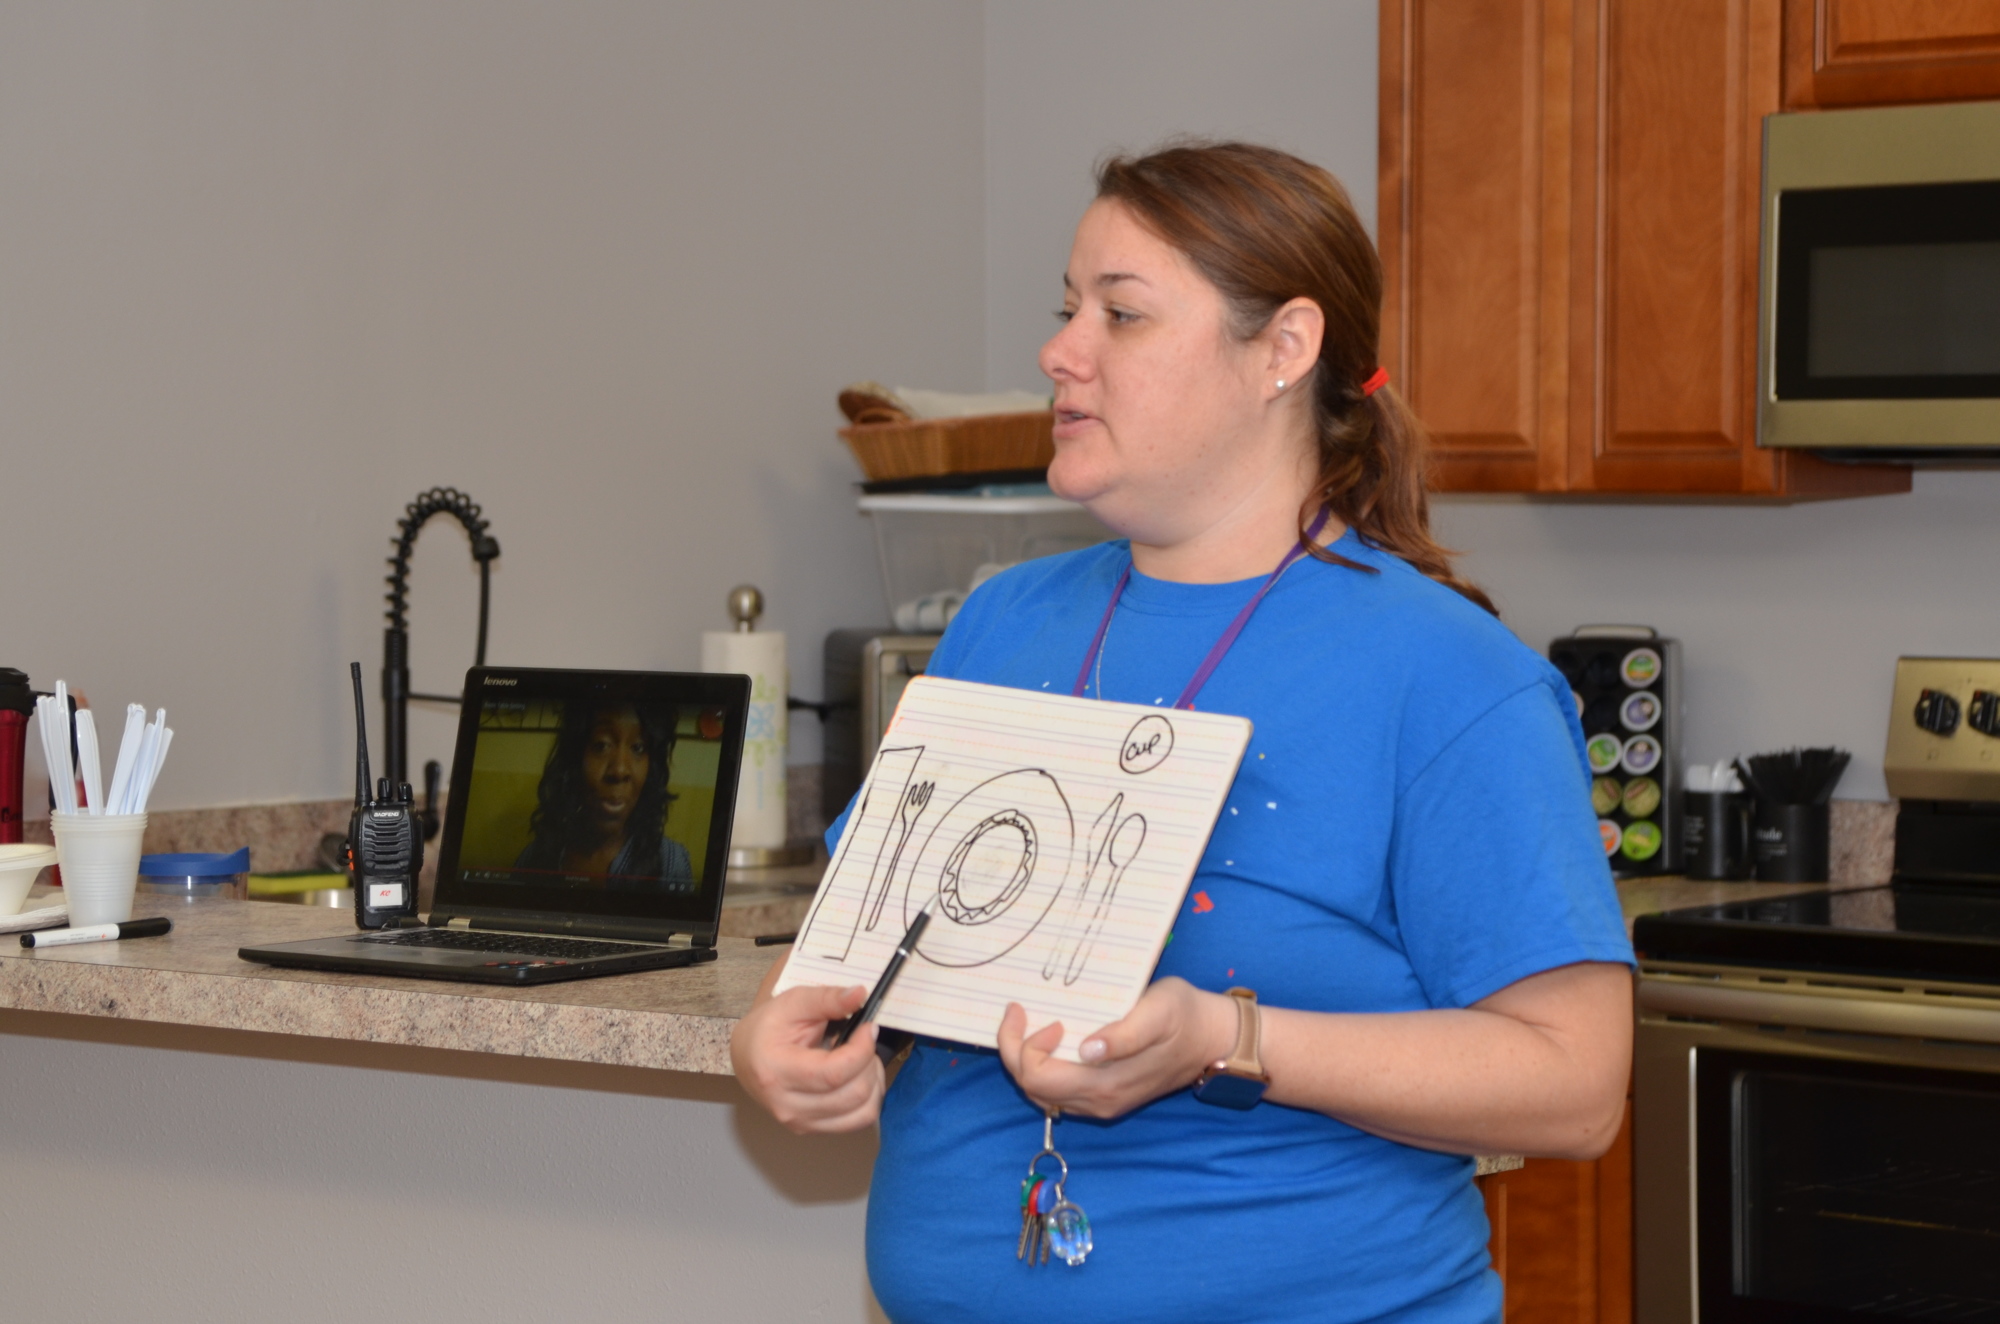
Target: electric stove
column 1903, row 931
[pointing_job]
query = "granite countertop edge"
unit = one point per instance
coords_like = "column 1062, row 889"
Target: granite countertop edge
column 415, row 1018
column 670, row 1020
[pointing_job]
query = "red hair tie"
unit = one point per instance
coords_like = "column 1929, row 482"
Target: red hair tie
column 1376, row 381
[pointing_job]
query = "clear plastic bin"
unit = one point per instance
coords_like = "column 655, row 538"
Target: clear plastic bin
column 197, row 874
column 934, row 544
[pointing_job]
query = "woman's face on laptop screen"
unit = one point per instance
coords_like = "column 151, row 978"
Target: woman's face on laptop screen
column 615, row 764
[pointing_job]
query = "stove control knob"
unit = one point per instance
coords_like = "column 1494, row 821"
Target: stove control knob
column 1983, row 713
column 1937, row 712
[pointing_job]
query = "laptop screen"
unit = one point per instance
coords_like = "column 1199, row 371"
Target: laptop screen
column 593, row 793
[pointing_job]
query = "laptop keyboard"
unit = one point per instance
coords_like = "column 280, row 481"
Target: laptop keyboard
column 514, row 944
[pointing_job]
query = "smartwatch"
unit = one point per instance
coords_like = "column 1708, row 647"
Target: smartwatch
column 1237, row 1081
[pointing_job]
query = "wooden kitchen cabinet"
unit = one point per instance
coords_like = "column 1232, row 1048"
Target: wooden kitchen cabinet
column 1890, row 52
column 1562, row 1237
column 1568, row 225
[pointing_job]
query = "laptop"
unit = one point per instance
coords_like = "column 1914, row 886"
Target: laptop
column 586, row 834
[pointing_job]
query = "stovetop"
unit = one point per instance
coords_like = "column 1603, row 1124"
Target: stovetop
column 1905, row 931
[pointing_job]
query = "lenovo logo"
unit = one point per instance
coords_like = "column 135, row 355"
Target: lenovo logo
column 502, row 680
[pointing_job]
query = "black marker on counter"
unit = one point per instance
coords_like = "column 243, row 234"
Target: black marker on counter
column 874, row 1003
column 138, row 928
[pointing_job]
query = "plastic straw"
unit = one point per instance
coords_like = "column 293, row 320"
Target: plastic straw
column 128, row 754
column 160, row 761
column 86, row 755
column 62, row 773
column 45, row 721
column 144, row 789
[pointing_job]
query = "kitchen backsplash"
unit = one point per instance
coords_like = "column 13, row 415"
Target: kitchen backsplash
column 285, row 837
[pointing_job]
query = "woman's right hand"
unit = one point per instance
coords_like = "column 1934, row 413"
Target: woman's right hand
column 777, row 1055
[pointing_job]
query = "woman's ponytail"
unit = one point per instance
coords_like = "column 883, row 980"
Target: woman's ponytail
column 1373, row 458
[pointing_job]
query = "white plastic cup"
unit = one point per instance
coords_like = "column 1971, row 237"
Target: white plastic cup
column 20, row 864
column 100, row 864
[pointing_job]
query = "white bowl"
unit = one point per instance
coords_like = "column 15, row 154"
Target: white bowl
column 20, row 865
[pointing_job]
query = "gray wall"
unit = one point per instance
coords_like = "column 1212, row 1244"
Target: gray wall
column 1068, row 83
column 266, row 272
column 1791, row 617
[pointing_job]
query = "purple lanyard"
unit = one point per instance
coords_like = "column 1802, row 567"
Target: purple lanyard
column 1222, row 645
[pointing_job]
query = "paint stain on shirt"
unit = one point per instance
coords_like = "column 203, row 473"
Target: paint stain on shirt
column 1202, row 905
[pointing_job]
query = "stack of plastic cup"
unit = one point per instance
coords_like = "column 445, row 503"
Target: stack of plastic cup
column 100, row 864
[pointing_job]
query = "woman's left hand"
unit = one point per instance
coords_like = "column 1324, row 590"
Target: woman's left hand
column 1175, row 1032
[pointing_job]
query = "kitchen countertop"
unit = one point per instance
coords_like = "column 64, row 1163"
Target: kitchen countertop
column 672, row 1020
column 676, row 1020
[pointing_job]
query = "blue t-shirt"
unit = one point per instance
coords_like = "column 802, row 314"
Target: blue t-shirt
column 1411, row 829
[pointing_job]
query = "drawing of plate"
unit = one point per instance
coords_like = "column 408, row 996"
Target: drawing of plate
column 996, row 862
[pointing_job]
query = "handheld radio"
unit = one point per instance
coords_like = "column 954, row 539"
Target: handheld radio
column 385, row 845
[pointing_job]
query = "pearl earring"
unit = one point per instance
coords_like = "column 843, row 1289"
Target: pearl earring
column 1281, row 383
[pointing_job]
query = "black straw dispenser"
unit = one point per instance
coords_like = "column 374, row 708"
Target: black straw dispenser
column 1791, row 830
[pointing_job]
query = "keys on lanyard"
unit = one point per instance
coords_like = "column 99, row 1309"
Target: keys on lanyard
column 1049, row 1222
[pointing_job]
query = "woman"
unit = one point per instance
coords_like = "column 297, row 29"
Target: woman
column 602, row 803
column 1408, row 873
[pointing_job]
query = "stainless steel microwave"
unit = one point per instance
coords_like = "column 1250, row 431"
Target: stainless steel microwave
column 1879, row 299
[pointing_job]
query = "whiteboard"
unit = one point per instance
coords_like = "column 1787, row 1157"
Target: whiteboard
column 1054, row 836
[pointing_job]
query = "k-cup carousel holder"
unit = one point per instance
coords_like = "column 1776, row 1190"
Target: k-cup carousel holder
column 1625, row 684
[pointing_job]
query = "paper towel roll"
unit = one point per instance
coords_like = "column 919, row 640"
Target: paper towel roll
column 760, row 791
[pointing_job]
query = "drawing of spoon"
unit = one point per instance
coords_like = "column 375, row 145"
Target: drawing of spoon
column 1124, row 848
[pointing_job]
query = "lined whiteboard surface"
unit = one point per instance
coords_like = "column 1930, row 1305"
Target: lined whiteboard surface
column 1057, row 836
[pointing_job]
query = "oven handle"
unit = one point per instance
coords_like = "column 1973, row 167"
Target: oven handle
column 1857, row 1014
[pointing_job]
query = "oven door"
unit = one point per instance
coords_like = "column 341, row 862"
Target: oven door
column 1809, row 1172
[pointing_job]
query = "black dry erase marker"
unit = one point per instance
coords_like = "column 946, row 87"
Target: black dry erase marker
column 137, row 928
column 775, row 939
column 874, row 1003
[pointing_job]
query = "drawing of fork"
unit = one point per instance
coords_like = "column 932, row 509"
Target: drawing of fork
column 908, row 813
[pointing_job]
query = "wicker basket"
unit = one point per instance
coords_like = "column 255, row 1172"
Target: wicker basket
column 930, row 447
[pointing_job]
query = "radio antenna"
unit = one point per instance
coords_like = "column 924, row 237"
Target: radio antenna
column 363, row 787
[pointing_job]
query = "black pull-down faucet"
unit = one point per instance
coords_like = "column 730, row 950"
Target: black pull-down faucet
column 396, row 694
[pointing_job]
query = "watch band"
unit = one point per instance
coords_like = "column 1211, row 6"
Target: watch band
column 1237, row 1081
column 1244, row 1060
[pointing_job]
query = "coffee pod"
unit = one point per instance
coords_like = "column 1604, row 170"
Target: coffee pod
column 1640, row 668
column 1640, row 755
column 1605, row 793
column 1604, row 752
column 1640, row 711
column 1642, row 840
column 1610, row 834
column 1641, row 797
